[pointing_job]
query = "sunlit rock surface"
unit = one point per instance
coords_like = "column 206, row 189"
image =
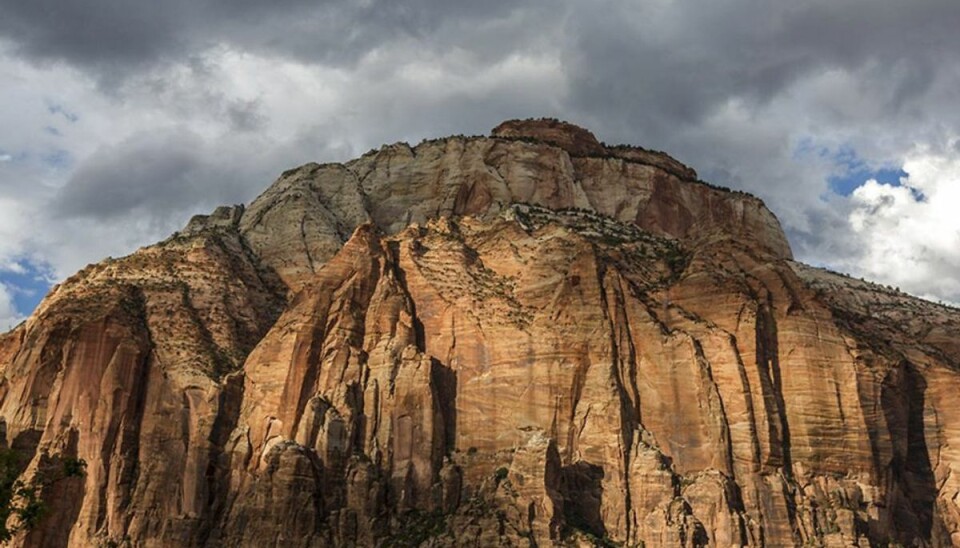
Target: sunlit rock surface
column 527, row 339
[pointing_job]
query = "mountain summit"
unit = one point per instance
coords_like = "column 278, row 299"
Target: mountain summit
column 525, row 339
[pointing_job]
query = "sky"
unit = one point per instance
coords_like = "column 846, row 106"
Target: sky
column 120, row 119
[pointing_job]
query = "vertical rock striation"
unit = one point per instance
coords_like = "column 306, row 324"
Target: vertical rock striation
column 527, row 339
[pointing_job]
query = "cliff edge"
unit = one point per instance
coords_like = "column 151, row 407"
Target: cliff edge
column 527, row 339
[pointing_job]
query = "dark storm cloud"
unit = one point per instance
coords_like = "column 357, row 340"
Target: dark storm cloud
column 159, row 173
column 165, row 176
column 649, row 72
column 821, row 246
column 100, row 33
column 113, row 38
column 673, row 63
column 637, row 69
column 213, row 98
column 245, row 115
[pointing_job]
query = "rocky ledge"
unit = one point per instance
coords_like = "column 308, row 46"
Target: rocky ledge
column 528, row 339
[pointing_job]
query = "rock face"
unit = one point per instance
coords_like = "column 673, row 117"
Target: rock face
column 303, row 219
column 523, row 340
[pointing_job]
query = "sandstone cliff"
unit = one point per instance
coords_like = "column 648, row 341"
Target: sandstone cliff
column 528, row 339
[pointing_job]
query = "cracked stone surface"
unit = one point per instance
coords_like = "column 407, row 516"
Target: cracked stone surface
column 528, row 339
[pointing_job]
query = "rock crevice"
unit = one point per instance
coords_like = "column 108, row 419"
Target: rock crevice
column 528, row 339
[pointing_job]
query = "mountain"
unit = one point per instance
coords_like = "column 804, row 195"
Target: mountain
column 530, row 338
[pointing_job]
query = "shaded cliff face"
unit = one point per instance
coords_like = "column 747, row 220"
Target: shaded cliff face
column 519, row 340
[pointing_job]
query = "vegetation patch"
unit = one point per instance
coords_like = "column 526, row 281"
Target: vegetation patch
column 416, row 527
column 21, row 502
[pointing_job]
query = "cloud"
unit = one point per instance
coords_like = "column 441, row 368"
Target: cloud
column 122, row 119
column 909, row 235
column 149, row 173
column 13, row 266
column 115, row 39
column 9, row 316
column 187, row 138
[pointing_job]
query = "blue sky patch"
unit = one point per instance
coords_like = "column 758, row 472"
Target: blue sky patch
column 845, row 184
column 851, row 170
column 27, row 286
column 854, row 171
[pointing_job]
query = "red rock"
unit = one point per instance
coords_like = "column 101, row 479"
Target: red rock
column 396, row 350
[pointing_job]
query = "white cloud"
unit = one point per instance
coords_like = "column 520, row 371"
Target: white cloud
column 13, row 222
column 9, row 316
column 909, row 235
column 235, row 120
column 12, row 266
column 139, row 136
